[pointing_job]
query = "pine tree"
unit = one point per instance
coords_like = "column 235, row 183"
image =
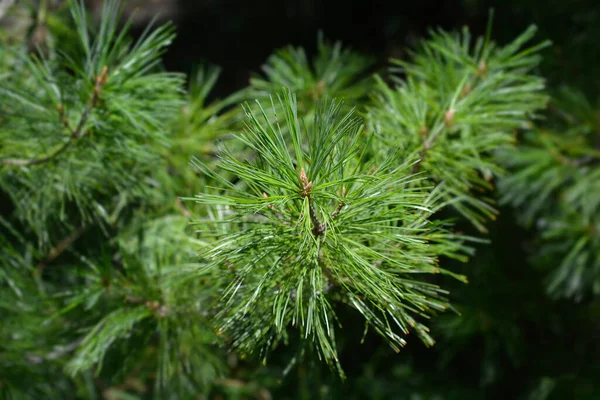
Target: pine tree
column 326, row 200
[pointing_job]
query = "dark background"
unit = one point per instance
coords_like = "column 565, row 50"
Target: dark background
column 239, row 35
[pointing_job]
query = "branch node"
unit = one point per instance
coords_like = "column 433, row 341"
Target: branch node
column 482, row 69
column 318, row 227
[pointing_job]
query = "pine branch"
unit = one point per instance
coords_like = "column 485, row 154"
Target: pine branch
column 458, row 102
column 552, row 183
column 130, row 116
column 285, row 271
column 100, row 81
column 335, row 72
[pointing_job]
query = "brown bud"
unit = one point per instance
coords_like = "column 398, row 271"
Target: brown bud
column 101, row 80
column 104, row 75
column 449, row 117
column 303, row 177
column 482, row 69
column 307, row 186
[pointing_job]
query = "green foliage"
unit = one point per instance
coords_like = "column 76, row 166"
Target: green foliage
column 83, row 129
column 334, row 72
column 77, row 128
column 458, row 101
column 554, row 184
column 315, row 223
column 193, row 135
column 151, row 298
column 28, row 341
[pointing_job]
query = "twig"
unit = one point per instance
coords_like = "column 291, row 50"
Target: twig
column 59, row 249
column 75, row 133
column 182, row 208
column 341, row 205
column 449, row 121
column 23, row 162
column 428, row 138
column 318, row 227
column 338, row 210
column 134, row 300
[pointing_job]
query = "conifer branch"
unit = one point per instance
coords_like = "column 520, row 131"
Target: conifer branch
column 99, row 82
column 553, row 185
column 465, row 96
column 335, row 72
column 286, row 271
column 35, row 161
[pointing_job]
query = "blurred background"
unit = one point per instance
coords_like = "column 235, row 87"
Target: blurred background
column 512, row 340
column 239, row 36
